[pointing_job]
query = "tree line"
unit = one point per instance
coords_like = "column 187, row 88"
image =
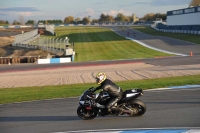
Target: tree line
column 194, row 3
column 110, row 19
column 4, row 22
column 102, row 19
column 32, row 22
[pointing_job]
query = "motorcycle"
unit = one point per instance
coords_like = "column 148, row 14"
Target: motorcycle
column 89, row 109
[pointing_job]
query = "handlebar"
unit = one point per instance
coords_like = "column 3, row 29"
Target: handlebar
column 91, row 89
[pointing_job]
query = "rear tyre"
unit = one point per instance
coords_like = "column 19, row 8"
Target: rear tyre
column 138, row 107
column 85, row 114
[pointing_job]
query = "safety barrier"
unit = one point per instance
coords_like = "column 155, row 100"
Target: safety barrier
column 54, row 60
column 32, row 40
column 35, row 59
column 50, row 28
column 52, row 45
column 25, row 37
column 18, row 60
column 16, row 26
column 177, row 31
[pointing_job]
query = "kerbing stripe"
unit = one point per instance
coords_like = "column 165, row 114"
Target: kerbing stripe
column 157, row 89
column 156, row 131
column 185, row 86
column 139, row 131
column 192, row 131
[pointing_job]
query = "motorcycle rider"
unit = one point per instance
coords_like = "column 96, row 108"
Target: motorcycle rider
column 114, row 91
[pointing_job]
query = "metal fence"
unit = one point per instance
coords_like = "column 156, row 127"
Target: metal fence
column 24, row 38
column 53, row 45
column 32, row 40
column 50, row 28
column 176, row 31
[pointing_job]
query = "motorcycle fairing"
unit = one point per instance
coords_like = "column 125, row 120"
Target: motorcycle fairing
column 131, row 94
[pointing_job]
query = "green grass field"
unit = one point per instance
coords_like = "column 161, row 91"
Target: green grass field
column 96, row 43
column 186, row 37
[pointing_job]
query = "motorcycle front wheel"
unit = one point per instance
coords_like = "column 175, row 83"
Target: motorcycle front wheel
column 85, row 114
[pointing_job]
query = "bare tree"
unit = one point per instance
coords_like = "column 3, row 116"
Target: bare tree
column 21, row 19
column 194, row 3
column 4, row 22
column 15, row 22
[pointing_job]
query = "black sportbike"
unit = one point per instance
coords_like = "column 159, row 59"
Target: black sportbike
column 129, row 104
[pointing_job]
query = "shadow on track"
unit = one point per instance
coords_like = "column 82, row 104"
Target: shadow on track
column 39, row 118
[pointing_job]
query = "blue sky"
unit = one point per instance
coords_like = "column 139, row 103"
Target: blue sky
column 59, row 9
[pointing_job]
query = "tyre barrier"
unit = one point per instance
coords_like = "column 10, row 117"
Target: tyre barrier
column 18, row 60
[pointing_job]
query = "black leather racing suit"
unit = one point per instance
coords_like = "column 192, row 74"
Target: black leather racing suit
column 113, row 90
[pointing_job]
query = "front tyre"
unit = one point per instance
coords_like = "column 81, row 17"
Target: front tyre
column 138, row 107
column 85, row 114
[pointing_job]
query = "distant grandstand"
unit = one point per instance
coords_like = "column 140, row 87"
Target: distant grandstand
column 183, row 20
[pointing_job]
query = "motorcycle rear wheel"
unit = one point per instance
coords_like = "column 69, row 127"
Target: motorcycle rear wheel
column 85, row 114
column 138, row 106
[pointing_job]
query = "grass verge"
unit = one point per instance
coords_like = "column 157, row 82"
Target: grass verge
column 10, row 95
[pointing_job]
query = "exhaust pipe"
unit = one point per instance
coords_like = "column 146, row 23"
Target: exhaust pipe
column 127, row 111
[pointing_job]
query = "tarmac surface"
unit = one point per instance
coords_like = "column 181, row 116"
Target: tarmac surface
column 167, row 109
column 161, row 42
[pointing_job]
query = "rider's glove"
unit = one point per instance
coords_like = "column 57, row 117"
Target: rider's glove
column 94, row 104
column 99, row 97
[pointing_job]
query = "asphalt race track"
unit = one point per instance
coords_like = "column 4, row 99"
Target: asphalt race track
column 171, row 61
column 166, row 108
column 161, row 42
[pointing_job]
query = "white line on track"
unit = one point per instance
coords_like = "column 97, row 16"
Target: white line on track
column 164, row 51
column 141, row 130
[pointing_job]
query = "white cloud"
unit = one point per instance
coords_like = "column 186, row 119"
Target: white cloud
column 90, row 11
column 19, row 9
column 170, row 2
column 26, row 14
column 96, row 14
column 115, row 12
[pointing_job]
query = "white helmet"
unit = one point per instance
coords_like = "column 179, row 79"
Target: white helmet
column 100, row 77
